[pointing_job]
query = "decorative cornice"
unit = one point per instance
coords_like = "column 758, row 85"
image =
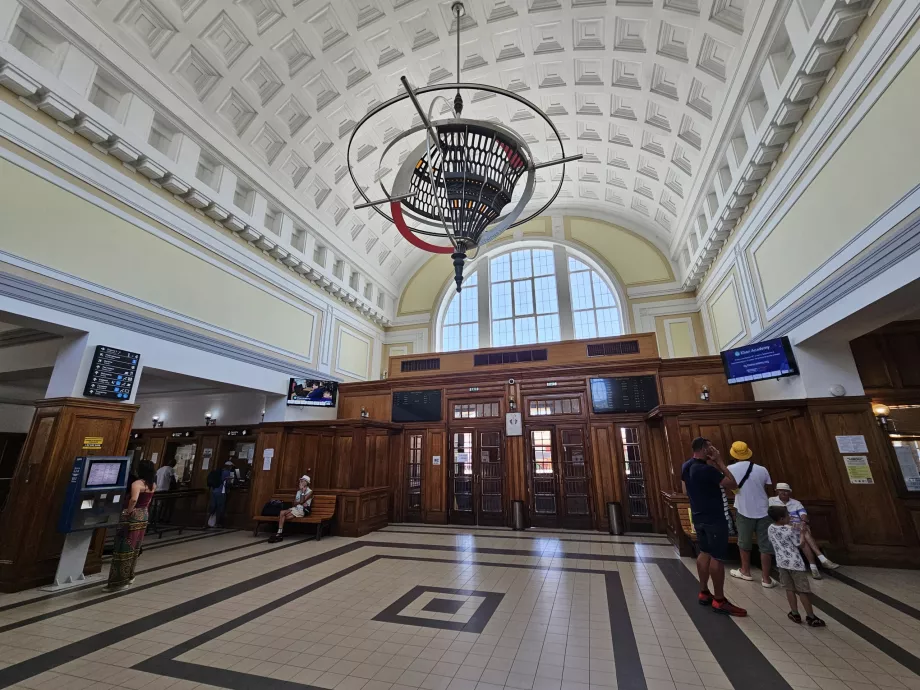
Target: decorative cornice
column 55, row 299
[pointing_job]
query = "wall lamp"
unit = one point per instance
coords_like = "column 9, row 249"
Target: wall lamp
column 157, row 422
column 704, row 394
column 209, row 420
column 881, row 412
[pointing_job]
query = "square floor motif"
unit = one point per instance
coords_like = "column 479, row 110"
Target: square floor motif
column 440, row 607
column 443, row 606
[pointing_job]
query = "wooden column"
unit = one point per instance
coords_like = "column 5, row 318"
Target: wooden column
column 31, row 545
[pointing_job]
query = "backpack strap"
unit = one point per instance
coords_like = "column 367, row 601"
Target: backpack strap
column 746, row 474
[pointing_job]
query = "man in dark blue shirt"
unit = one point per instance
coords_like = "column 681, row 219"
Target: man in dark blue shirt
column 705, row 477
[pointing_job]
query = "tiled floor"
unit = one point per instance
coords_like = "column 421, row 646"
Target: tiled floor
column 415, row 607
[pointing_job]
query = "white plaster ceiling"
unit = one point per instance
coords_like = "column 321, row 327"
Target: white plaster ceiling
column 635, row 85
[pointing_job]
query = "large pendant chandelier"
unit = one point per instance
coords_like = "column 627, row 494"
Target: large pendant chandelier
column 455, row 184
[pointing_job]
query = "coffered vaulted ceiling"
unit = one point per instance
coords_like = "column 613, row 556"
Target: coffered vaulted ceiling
column 636, row 86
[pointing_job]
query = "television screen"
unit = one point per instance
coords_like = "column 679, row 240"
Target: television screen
column 624, row 394
column 417, row 406
column 771, row 359
column 103, row 474
column 311, row 393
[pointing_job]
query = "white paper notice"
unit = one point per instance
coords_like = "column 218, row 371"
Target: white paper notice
column 852, row 444
column 435, row 459
column 205, row 462
column 909, row 469
column 268, row 453
column 858, row 469
column 267, row 456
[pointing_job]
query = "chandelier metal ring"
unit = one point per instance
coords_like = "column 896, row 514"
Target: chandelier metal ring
column 462, row 176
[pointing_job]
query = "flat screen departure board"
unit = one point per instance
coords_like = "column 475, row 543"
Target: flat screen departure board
column 111, row 374
column 624, row 394
column 417, row 406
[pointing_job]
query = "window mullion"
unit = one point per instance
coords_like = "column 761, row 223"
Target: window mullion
column 484, row 313
column 563, row 294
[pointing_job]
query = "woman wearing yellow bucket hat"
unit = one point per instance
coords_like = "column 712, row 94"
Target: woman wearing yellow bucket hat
column 751, row 504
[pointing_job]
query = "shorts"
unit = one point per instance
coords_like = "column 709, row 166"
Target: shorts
column 746, row 528
column 299, row 512
column 713, row 539
column 794, row 581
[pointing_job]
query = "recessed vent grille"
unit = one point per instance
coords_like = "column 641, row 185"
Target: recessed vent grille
column 492, row 358
column 420, row 364
column 620, row 347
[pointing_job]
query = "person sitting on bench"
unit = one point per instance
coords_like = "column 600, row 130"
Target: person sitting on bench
column 301, row 508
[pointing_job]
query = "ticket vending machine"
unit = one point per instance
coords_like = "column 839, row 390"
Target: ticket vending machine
column 95, row 498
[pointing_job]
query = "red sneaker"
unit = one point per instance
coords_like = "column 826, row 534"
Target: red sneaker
column 727, row 608
column 704, row 598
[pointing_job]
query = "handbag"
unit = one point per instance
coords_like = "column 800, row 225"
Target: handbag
column 272, row 509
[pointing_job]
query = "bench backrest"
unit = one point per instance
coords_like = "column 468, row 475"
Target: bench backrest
column 323, row 506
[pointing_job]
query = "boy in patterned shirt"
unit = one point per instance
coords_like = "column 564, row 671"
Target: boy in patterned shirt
column 786, row 541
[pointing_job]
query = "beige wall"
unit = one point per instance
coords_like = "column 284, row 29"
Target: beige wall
column 874, row 168
column 51, row 227
column 725, row 315
column 353, row 353
column 423, row 288
column 635, row 261
column 681, row 335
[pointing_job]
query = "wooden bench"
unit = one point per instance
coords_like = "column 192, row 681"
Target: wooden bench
column 322, row 510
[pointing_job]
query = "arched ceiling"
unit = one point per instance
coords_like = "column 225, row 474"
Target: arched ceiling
column 634, row 85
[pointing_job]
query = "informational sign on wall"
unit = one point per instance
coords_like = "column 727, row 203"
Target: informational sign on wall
column 435, row 459
column 852, row 444
column 907, row 461
column 513, row 425
column 858, row 469
column 92, row 443
column 111, row 374
column 267, row 456
column 206, row 458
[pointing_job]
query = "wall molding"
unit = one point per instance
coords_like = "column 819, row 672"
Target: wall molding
column 365, row 375
column 730, row 283
column 644, row 314
column 821, row 140
column 667, row 334
column 55, row 299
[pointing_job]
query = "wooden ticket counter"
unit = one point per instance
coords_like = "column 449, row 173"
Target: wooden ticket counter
column 197, row 451
column 464, row 465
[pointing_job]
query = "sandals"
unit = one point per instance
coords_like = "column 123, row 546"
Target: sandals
column 741, row 576
column 811, row 621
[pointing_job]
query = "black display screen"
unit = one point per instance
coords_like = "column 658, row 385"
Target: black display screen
column 624, row 394
column 417, row 406
column 111, row 374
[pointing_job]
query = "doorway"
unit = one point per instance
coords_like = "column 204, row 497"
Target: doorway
column 476, row 477
column 558, row 477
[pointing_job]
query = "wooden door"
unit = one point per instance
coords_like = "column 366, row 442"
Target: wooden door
column 637, row 484
column 476, row 477
column 558, row 477
column 415, row 441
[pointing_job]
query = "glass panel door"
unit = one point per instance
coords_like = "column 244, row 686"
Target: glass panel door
column 490, row 473
column 461, row 511
column 544, row 508
column 634, row 471
column 575, row 479
column 414, row 478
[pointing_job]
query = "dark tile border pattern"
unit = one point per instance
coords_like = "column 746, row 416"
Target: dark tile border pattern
column 448, row 606
column 476, row 623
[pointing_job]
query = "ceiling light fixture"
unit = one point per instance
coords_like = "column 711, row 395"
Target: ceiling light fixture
column 455, row 183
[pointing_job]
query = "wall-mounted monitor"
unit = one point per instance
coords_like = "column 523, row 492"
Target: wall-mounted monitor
column 771, row 359
column 312, row 393
column 624, row 394
column 417, row 406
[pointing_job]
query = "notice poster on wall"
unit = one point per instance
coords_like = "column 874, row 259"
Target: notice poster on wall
column 852, row 444
column 910, row 469
column 435, row 459
column 206, row 458
column 267, row 456
column 858, row 469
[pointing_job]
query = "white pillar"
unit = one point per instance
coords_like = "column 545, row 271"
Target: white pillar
column 187, row 157
column 77, row 71
column 138, row 118
column 824, row 365
column 72, row 367
column 9, row 13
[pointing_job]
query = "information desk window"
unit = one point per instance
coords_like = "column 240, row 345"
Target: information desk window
column 185, row 461
column 241, row 456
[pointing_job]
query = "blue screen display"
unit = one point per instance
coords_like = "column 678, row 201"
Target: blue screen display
column 770, row 359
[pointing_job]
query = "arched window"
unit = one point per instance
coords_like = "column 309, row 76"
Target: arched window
column 594, row 308
column 524, row 304
column 461, row 321
column 529, row 300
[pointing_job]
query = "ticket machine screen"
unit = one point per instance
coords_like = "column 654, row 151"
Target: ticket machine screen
column 103, row 474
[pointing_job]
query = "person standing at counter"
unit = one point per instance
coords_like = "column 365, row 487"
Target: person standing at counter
column 219, row 481
column 130, row 533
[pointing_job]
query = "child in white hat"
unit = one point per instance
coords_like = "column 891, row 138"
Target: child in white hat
column 798, row 518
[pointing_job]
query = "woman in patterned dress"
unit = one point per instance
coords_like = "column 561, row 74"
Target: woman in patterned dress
column 130, row 532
